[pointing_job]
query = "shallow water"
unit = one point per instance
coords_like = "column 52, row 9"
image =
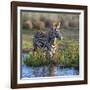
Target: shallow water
column 46, row 71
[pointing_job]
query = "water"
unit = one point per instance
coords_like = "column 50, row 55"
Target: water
column 47, row 71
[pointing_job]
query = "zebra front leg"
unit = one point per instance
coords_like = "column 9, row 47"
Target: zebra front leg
column 50, row 55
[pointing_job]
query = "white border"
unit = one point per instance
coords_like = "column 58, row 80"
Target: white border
column 81, row 47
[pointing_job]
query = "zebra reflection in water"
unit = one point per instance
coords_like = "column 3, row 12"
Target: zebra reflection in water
column 45, row 71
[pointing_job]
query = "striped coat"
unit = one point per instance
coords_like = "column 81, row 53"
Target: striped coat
column 46, row 41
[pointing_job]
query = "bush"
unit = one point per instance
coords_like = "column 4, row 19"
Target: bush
column 39, row 25
column 27, row 24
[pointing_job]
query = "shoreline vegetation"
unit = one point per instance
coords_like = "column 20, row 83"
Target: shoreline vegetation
column 67, row 55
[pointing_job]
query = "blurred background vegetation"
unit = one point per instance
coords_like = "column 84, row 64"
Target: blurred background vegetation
column 68, row 48
column 42, row 21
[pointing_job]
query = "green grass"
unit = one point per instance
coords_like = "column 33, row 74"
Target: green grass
column 27, row 45
column 37, row 60
column 67, row 55
column 27, row 41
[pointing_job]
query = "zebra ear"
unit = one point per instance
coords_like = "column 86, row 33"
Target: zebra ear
column 58, row 26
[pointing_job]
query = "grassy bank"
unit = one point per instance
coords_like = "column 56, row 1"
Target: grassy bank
column 67, row 54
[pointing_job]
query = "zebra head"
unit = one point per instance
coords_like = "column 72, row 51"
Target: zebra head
column 56, row 29
column 58, row 34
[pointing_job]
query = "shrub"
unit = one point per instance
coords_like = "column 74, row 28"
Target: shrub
column 39, row 25
column 27, row 24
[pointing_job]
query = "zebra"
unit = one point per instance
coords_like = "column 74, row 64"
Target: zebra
column 47, row 40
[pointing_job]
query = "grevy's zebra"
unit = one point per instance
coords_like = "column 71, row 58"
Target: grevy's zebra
column 47, row 41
